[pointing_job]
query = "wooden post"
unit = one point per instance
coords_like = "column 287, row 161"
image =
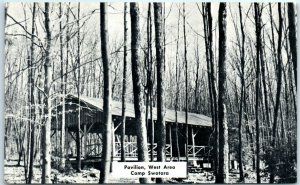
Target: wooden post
column 91, row 141
column 85, row 140
column 98, row 144
column 152, row 139
column 93, row 144
column 129, row 146
column 193, row 143
column 185, row 149
column 95, row 141
column 113, row 153
column 113, row 141
column 66, row 153
column 170, row 139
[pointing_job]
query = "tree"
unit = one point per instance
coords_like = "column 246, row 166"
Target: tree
column 222, row 123
column 292, row 37
column 197, row 103
column 66, row 81
column 124, row 86
column 107, row 118
column 149, row 83
column 32, row 111
column 26, row 154
column 177, row 89
column 257, row 10
column 137, row 86
column 78, row 138
column 278, row 92
column 186, row 89
column 242, row 51
column 208, row 35
column 161, row 134
column 46, row 141
column 63, row 93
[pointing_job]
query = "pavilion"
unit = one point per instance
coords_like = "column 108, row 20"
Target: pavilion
column 91, row 124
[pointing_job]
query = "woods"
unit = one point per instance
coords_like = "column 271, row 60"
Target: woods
column 88, row 85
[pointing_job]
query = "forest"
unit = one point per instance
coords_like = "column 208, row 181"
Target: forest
column 151, row 71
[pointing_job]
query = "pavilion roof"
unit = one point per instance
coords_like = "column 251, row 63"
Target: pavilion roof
column 97, row 103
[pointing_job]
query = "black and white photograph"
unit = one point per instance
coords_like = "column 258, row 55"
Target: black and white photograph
column 150, row 92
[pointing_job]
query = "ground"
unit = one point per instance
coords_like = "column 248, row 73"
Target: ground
column 14, row 174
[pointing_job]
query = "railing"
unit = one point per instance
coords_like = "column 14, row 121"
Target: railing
column 130, row 149
column 95, row 150
column 198, row 151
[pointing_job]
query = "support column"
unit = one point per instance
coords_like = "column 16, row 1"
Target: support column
column 170, row 139
column 85, row 140
column 98, row 144
column 67, row 143
column 113, row 152
column 113, row 141
column 152, row 141
column 94, row 144
column 193, row 140
column 193, row 143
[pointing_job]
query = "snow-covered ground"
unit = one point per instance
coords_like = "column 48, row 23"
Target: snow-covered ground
column 14, row 174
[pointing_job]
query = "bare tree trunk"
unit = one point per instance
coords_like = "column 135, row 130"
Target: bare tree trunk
column 251, row 141
column 161, row 144
column 177, row 90
column 257, row 9
column 164, row 34
column 27, row 132
column 240, row 158
column 196, row 91
column 151, row 120
column 46, row 144
column 40, row 115
column 149, row 79
column 222, row 123
column 107, row 133
column 292, row 37
column 78, row 138
column 263, row 66
column 124, row 86
column 278, row 92
column 186, row 89
column 147, row 94
column 207, row 21
column 67, row 67
column 137, row 87
column 63, row 89
column 32, row 103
